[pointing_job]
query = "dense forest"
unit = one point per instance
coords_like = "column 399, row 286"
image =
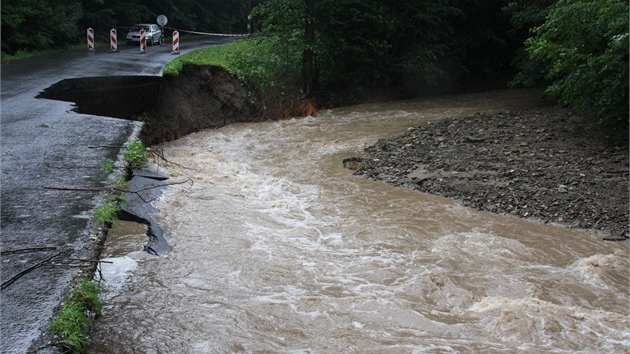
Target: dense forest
column 576, row 48
column 37, row 24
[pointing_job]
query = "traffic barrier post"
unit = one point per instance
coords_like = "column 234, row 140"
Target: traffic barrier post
column 143, row 41
column 90, row 39
column 113, row 41
column 175, row 43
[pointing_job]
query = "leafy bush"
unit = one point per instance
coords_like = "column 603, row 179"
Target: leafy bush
column 271, row 64
column 585, row 44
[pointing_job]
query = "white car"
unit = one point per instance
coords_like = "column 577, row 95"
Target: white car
column 153, row 34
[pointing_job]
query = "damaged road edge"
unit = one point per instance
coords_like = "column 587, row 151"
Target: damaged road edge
column 60, row 337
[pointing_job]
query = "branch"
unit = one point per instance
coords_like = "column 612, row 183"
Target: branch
column 137, row 192
column 28, row 249
column 167, row 161
column 164, row 185
column 192, row 182
column 27, row 270
column 80, row 189
column 105, row 147
column 98, row 261
column 89, row 260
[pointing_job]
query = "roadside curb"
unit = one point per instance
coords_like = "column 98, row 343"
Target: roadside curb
column 93, row 241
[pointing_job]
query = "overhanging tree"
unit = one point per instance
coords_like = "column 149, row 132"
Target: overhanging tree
column 585, row 44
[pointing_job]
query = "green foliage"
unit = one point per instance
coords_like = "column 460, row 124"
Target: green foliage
column 267, row 63
column 425, row 54
column 106, row 213
column 524, row 16
column 107, row 165
column 352, row 43
column 270, row 63
column 585, row 44
column 215, row 55
column 39, row 24
column 32, row 25
column 75, row 319
column 135, row 154
column 420, row 45
column 120, row 182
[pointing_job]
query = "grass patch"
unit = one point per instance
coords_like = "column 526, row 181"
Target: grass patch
column 266, row 64
column 81, row 306
column 216, row 55
column 23, row 54
column 136, row 154
column 106, row 213
column 107, row 166
column 119, row 182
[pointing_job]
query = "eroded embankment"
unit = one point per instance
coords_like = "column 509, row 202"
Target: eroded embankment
column 170, row 106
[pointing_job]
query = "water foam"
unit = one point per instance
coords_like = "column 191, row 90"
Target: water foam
column 530, row 321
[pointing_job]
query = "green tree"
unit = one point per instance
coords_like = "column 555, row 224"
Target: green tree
column 420, row 45
column 308, row 55
column 525, row 15
column 44, row 24
column 39, row 24
column 425, row 51
column 585, row 44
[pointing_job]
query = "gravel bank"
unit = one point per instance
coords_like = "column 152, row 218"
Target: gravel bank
column 544, row 164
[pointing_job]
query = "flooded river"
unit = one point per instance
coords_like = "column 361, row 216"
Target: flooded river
column 276, row 248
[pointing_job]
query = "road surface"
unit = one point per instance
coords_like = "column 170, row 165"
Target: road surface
column 46, row 149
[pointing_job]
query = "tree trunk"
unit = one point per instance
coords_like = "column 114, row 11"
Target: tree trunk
column 308, row 57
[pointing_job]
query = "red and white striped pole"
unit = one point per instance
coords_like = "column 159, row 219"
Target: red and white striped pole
column 90, row 39
column 113, row 41
column 143, row 41
column 175, row 43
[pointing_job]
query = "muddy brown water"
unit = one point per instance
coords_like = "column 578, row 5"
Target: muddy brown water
column 276, row 248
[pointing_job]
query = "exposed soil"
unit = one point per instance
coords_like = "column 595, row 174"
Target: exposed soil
column 200, row 97
column 544, row 164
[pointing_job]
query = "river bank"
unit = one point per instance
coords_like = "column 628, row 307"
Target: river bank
column 275, row 245
column 544, row 164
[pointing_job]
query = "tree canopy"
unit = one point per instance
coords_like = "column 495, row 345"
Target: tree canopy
column 579, row 48
column 43, row 24
column 584, row 44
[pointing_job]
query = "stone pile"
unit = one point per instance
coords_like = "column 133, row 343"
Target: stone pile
column 540, row 163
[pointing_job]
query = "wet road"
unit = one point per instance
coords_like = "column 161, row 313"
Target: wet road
column 45, row 144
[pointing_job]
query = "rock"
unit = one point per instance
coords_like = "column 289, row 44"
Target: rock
column 531, row 157
column 355, row 163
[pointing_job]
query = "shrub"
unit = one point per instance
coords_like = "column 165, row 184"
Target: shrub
column 585, row 43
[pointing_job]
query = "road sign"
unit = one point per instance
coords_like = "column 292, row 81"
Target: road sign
column 162, row 20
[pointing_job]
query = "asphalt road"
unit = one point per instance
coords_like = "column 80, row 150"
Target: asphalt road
column 46, row 149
